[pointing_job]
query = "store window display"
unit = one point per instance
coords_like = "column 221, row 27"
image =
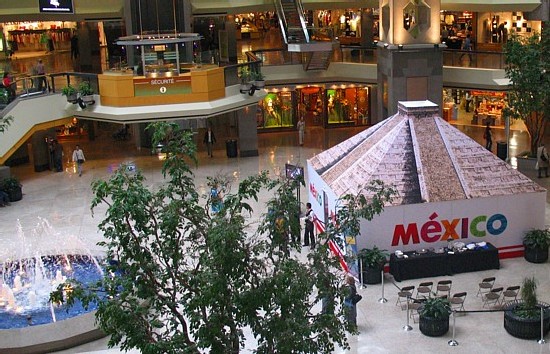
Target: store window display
column 275, row 111
column 348, row 106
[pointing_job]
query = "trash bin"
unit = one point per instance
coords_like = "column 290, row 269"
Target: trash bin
column 502, row 150
column 231, row 147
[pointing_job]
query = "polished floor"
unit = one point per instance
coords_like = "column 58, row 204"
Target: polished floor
column 64, row 200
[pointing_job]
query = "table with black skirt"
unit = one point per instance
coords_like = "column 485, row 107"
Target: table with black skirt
column 432, row 264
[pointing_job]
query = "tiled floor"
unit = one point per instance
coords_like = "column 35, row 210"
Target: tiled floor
column 64, row 200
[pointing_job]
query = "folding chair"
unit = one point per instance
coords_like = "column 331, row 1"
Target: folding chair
column 485, row 286
column 492, row 297
column 404, row 295
column 510, row 294
column 414, row 307
column 424, row 289
column 457, row 301
column 443, row 287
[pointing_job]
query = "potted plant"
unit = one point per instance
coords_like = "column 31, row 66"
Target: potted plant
column 536, row 242
column 86, row 92
column 434, row 316
column 70, row 92
column 259, row 79
column 522, row 317
column 245, row 76
column 12, row 188
column 372, row 260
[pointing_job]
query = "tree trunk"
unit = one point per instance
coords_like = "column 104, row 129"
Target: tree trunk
column 536, row 127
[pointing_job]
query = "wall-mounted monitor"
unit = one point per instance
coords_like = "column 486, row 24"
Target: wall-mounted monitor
column 56, row 6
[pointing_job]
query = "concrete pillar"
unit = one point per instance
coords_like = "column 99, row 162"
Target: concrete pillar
column 39, row 149
column 88, row 44
column 248, row 132
column 367, row 22
column 410, row 59
column 409, row 74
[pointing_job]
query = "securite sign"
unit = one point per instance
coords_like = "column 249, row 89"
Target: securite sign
column 162, row 86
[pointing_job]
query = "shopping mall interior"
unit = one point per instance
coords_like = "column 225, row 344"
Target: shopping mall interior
column 335, row 103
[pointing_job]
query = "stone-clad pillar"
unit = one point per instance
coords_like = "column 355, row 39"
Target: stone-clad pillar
column 410, row 62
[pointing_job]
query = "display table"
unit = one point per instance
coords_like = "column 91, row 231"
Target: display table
column 431, row 264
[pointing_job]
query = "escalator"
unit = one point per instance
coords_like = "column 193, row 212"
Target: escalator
column 297, row 35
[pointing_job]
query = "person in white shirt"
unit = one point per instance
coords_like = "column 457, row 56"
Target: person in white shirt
column 309, row 236
column 78, row 157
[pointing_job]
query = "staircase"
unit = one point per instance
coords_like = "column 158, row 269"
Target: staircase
column 318, row 61
column 297, row 37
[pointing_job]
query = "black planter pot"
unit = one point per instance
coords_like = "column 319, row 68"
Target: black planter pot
column 525, row 328
column 15, row 194
column 433, row 327
column 372, row 275
column 536, row 254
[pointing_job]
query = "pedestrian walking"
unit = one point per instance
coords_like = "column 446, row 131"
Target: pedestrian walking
column 488, row 136
column 542, row 161
column 350, row 302
column 41, row 72
column 209, row 140
column 78, row 157
column 301, row 130
column 467, row 46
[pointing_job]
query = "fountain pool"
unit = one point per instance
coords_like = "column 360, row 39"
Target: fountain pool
column 26, row 284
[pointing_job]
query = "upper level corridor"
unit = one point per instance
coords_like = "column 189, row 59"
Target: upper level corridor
column 51, row 106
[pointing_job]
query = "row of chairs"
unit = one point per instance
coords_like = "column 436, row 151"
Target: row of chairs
column 425, row 290
column 492, row 296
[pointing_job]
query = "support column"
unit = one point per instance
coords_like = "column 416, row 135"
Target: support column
column 410, row 58
column 248, row 132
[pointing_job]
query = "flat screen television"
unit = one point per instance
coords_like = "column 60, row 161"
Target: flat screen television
column 56, row 6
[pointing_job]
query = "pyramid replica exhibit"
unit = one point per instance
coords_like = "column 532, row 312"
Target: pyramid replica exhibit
column 450, row 188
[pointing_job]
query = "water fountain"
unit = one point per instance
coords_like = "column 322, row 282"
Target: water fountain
column 27, row 276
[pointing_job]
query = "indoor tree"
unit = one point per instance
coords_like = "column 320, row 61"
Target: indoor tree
column 180, row 279
column 528, row 66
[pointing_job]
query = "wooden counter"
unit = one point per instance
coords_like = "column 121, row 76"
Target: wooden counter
column 125, row 90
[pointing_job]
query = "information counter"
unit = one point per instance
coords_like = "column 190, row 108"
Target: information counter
column 123, row 89
column 430, row 264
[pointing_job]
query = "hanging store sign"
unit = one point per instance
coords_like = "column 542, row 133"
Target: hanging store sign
column 162, row 86
column 56, row 6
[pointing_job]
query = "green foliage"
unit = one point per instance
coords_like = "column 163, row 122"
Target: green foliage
column 245, row 74
column 85, row 89
column 5, row 122
column 373, row 257
column 68, row 90
column 528, row 292
column 189, row 281
column 537, row 238
column 528, row 68
column 9, row 184
column 436, row 307
column 257, row 75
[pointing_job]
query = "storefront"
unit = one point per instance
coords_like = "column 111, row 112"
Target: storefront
column 488, row 30
column 38, row 36
column 328, row 107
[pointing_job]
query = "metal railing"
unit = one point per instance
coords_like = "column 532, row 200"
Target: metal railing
column 368, row 55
